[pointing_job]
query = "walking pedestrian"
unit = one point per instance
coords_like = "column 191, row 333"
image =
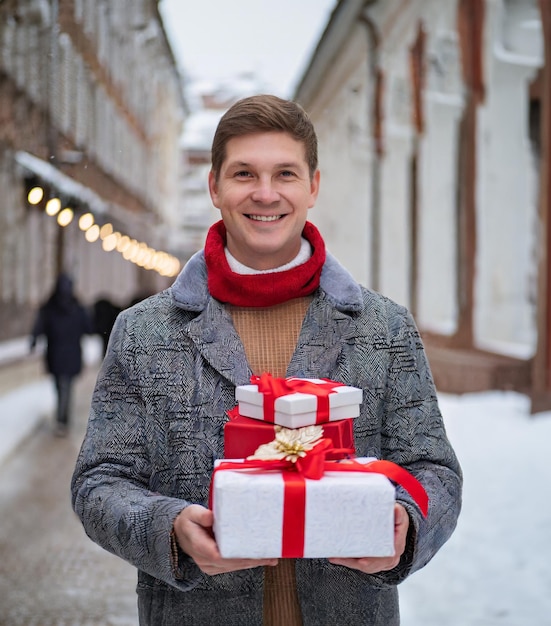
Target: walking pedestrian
column 263, row 295
column 63, row 321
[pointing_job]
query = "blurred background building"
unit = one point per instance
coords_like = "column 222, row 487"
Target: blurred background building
column 434, row 123
column 91, row 113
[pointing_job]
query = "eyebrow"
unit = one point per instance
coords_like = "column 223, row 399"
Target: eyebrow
column 291, row 164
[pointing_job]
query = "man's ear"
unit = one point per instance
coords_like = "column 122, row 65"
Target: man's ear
column 314, row 188
column 213, row 189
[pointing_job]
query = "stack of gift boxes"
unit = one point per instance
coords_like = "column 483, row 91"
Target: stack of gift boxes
column 269, row 508
column 253, row 421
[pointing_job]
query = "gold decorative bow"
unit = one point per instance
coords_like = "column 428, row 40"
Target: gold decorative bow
column 289, row 444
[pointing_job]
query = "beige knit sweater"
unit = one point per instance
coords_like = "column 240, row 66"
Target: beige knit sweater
column 269, row 336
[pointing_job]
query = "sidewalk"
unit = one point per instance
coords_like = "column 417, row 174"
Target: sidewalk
column 51, row 573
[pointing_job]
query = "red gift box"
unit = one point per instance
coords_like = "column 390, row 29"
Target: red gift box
column 243, row 435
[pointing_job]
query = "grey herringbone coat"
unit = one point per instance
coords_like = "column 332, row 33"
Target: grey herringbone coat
column 156, row 427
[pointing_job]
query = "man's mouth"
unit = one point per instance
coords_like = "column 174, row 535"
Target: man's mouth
column 264, row 218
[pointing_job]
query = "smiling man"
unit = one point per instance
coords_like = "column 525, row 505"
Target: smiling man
column 264, row 189
column 263, row 296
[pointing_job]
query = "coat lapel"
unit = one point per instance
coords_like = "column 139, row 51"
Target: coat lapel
column 215, row 337
column 320, row 344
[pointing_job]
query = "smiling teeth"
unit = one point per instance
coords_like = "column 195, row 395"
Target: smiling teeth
column 265, row 218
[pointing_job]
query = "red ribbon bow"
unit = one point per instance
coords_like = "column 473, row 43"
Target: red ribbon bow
column 272, row 388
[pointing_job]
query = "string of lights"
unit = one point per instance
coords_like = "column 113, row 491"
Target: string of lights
column 111, row 240
column 91, row 222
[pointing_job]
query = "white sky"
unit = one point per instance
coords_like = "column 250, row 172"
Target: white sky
column 220, row 39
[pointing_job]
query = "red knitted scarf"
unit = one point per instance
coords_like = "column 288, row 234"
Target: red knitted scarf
column 261, row 290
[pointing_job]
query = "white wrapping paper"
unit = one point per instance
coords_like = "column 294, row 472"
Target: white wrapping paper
column 348, row 514
column 299, row 409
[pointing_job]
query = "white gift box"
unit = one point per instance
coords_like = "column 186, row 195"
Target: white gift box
column 347, row 514
column 299, row 409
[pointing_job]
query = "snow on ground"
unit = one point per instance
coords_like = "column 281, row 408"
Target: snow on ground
column 496, row 568
column 13, row 349
column 21, row 411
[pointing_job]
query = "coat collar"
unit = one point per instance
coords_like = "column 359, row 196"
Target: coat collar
column 190, row 291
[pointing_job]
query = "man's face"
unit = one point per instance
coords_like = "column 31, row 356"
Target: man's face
column 264, row 192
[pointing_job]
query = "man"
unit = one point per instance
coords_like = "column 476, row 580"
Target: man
column 263, row 295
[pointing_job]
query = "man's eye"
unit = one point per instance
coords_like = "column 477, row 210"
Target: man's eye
column 287, row 173
column 242, row 174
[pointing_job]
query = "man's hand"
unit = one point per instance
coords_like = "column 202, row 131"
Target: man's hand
column 193, row 528
column 373, row 565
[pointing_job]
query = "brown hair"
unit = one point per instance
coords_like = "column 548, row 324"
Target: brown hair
column 264, row 113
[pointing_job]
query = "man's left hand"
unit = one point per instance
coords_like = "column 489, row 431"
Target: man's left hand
column 375, row 564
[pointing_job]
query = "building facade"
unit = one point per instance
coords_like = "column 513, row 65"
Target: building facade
column 91, row 111
column 434, row 123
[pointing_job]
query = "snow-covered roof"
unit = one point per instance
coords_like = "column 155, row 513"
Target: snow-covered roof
column 199, row 129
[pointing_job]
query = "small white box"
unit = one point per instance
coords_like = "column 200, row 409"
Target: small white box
column 298, row 420
column 347, row 514
column 299, row 409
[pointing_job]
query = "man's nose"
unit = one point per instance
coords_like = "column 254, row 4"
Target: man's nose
column 265, row 192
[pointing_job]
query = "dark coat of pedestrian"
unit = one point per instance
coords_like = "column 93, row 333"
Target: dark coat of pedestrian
column 105, row 314
column 63, row 321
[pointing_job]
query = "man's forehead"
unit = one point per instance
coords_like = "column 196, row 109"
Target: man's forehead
column 279, row 149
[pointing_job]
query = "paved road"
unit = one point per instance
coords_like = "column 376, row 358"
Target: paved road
column 51, row 574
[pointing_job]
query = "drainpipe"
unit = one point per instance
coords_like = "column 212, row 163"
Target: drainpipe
column 52, row 77
column 52, row 134
column 541, row 369
column 374, row 87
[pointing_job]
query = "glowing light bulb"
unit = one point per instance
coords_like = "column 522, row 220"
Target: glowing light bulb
column 110, row 242
column 85, row 221
column 65, row 217
column 53, row 206
column 106, row 230
column 92, row 234
column 35, row 195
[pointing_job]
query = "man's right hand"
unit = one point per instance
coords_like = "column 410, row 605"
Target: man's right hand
column 193, row 529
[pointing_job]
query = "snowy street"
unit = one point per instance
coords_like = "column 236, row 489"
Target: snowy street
column 496, row 568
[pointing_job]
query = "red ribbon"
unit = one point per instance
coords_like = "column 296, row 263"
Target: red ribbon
column 294, row 515
column 233, row 413
column 294, row 475
column 272, row 388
